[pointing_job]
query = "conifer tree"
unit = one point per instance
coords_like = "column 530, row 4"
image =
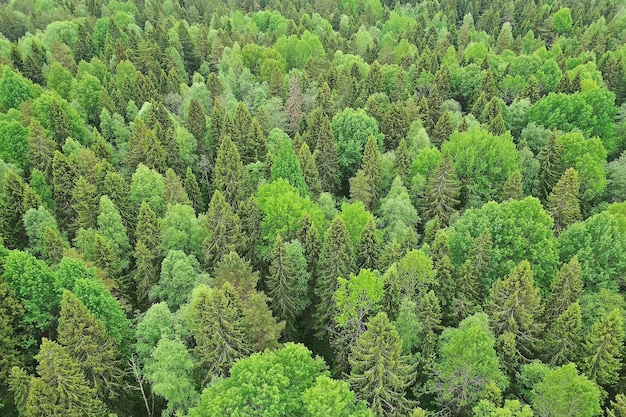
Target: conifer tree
column 309, row 170
column 111, row 227
column 531, row 90
column 550, row 165
column 217, row 328
column 368, row 253
column 326, row 156
column 174, row 191
column 442, row 191
column 229, row 176
column 445, row 277
column 563, row 202
column 566, row 289
column 85, row 204
column 466, row 301
column 286, row 165
column 603, row 349
column 251, row 217
column 513, row 187
column 224, row 230
column 256, row 143
column 618, row 407
column 443, row 129
column 287, row 285
column 190, row 184
column 337, row 259
column 480, row 255
column 380, row 373
column 63, row 178
column 53, row 245
column 515, row 307
column 429, row 314
column 360, row 189
column 395, row 125
column 240, row 125
column 403, row 161
column 311, row 242
column 219, row 124
column 564, row 336
column 12, row 210
column 479, row 106
column 41, row 148
column 118, row 190
column 372, row 166
column 196, row 121
column 87, row 342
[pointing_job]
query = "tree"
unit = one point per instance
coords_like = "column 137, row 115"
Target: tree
column 563, row 202
column 337, row 259
column 191, row 187
column 329, row 397
column 372, row 166
column 513, row 187
column 618, row 407
column 550, row 163
column 174, row 191
column 87, row 342
column 179, row 275
column 397, row 213
column 309, row 170
column 286, row 165
column 181, row 230
column 466, row 366
column 563, row 392
column 12, row 333
column 380, row 373
column 229, row 176
column 14, row 89
column 223, row 229
column 111, row 227
column 403, row 160
column 512, row 408
column 326, row 156
column 148, row 185
column 196, row 121
column 14, row 138
column 515, row 306
column 288, row 282
column 170, row 373
column 146, row 251
column 369, row 247
column 566, row 289
column 395, row 125
column 603, row 349
column 443, row 129
column 442, row 191
column 564, row 336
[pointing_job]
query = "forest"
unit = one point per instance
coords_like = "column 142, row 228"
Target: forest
column 312, row 208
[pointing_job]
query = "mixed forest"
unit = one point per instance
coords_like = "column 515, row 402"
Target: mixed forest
column 312, row 208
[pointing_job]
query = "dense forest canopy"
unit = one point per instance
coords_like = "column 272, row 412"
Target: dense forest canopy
column 353, row 208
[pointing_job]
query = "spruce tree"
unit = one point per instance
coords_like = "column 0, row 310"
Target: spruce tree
column 12, row 210
column 563, row 203
column 603, row 349
column 219, row 124
column 196, row 121
column 309, row 170
column 53, row 246
column 87, row 342
column 442, row 191
column 223, row 228
column 41, row 148
column 311, row 242
column 618, row 407
column 531, row 90
column 175, row 193
column 566, row 289
column 337, row 259
column 256, row 143
column 380, row 374
column 443, row 129
column 240, row 125
column 429, row 314
column 251, row 217
column 369, row 248
column 85, row 204
column 190, row 184
column 515, row 306
column 550, row 165
column 480, row 255
column 403, row 161
column 111, row 227
column 286, row 165
column 372, row 166
column 360, row 189
column 395, row 125
column 326, row 158
column 466, row 301
column 229, row 176
column 217, row 328
column 63, row 178
column 513, row 187
column 564, row 337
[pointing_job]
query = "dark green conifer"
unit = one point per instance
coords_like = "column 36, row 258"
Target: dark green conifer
column 326, row 156
column 443, row 129
column 603, row 349
column 224, row 230
column 550, row 165
column 229, row 176
column 190, row 184
column 442, row 191
column 566, row 289
column 309, row 170
column 403, row 161
column 85, row 204
column 564, row 337
column 513, row 187
column 563, row 203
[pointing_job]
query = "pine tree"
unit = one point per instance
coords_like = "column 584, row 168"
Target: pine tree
column 85, row 204
column 550, row 165
column 326, row 157
column 309, row 170
column 380, row 373
column 87, row 342
column 515, row 307
column 403, row 161
column 368, row 253
column 603, row 349
column 443, row 129
column 224, row 230
column 566, row 289
column 563, row 202
column 564, row 337
column 337, row 259
column 513, row 187
column 442, row 191
column 217, row 328
column 190, row 184
column 229, row 176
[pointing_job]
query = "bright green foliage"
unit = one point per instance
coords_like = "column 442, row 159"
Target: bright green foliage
column 283, row 208
column 358, row 298
column 286, row 165
column 181, row 230
column 217, row 328
column 562, row 20
column 32, row 282
column 179, row 275
column 618, row 407
column 157, row 323
column 380, row 373
column 61, row 388
column 40, row 185
column 515, row 306
column 442, row 192
column 148, row 185
column 329, row 397
column 59, row 118
column 564, row 393
column 567, row 288
column 14, row 90
column 397, row 213
column 223, row 230
column 601, row 249
column 229, row 175
column 512, row 408
column 563, row 203
column 356, row 217
column 564, row 336
column 467, row 364
column 409, row 326
column 360, row 190
column 482, row 162
column 87, row 342
column 288, row 282
column 519, row 230
column 35, row 222
column 411, row 276
column 603, row 349
column 273, row 383
column 13, row 142
column 337, row 259
column 170, row 374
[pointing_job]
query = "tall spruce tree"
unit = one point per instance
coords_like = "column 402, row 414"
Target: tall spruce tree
column 369, row 248
column 442, row 191
column 564, row 336
column 146, row 252
column 380, row 374
column 566, row 289
column 550, row 164
column 603, row 349
column 326, row 156
column 229, row 175
column 403, row 161
column 443, row 129
column 372, row 167
column 309, row 170
column 224, row 230
column 563, row 203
